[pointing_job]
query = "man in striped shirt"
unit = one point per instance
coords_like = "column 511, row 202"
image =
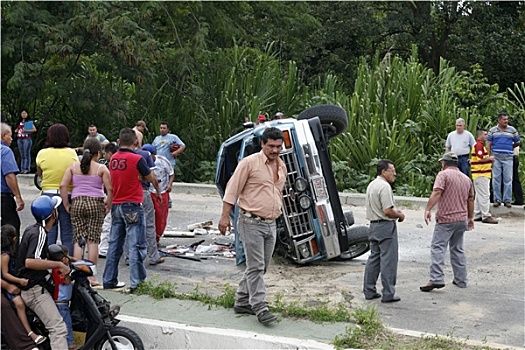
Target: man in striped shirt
column 501, row 141
column 481, row 167
column 455, row 214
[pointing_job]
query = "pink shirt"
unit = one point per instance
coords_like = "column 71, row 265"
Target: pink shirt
column 253, row 183
column 456, row 190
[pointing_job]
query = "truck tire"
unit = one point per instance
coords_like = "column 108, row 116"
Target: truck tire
column 333, row 118
column 349, row 217
column 358, row 243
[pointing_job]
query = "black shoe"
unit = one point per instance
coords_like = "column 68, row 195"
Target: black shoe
column 430, row 286
column 100, row 256
column 478, row 219
column 508, row 205
column 245, row 309
column 375, row 296
column 457, row 285
column 266, row 317
column 393, row 300
column 496, row 204
column 116, row 286
column 517, row 203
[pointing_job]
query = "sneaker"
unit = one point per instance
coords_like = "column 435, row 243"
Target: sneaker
column 266, row 317
column 508, row 205
column 496, row 204
column 116, row 286
column 489, row 220
column 244, row 309
column 160, row 261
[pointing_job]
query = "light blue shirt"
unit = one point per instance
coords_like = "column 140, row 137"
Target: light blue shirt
column 162, row 145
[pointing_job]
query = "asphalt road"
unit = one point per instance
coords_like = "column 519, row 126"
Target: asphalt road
column 490, row 309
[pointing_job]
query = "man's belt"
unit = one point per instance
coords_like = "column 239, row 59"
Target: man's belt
column 256, row 217
column 463, row 155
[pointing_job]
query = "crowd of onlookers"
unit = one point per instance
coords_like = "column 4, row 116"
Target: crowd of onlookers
column 112, row 198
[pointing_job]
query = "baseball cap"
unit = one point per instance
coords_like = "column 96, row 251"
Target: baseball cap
column 261, row 117
column 142, row 123
column 150, row 148
column 450, row 156
column 279, row 114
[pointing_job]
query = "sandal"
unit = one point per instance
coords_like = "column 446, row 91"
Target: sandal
column 94, row 283
column 39, row 339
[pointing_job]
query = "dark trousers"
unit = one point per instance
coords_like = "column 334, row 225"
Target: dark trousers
column 8, row 211
column 12, row 329
column 517, row 190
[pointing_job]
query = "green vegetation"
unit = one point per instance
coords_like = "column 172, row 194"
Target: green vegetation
column 403, row 71
column 366, row 329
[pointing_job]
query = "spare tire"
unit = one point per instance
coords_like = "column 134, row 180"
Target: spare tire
column 333, row 118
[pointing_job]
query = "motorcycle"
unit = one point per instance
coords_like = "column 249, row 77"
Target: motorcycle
column 91, row 314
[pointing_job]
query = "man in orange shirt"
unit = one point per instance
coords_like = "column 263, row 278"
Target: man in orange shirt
column 257, row 183
column 481, row 169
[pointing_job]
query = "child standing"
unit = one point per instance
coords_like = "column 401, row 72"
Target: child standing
column 63, row 289
column 9, row 252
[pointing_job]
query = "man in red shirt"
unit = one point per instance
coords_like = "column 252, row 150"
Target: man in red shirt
column 127, row 213
column 455, row 215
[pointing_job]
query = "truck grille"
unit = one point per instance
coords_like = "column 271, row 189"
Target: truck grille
column 298, row 220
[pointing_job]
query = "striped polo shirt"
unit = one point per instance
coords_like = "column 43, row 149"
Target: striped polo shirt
column 503, row 140
column 477, row 168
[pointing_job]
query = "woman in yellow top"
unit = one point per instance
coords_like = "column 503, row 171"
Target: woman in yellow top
column 51, row 164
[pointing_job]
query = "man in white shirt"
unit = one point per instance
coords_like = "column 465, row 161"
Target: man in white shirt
column 461, row 142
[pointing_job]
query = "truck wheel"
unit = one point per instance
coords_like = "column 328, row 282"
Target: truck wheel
column 124, row 338
column 358, row 242
column 349, row 217
column 333, row 118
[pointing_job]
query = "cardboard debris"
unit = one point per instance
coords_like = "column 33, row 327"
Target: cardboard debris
column 204, row 224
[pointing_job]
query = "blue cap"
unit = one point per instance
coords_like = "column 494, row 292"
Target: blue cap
column 150, row 148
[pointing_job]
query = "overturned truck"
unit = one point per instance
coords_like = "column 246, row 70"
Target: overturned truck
column 313, row 225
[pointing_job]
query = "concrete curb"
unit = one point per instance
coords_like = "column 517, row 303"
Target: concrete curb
column 355, row 199
column 170, row 335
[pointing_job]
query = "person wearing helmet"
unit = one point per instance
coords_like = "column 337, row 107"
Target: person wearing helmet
column 33, row 265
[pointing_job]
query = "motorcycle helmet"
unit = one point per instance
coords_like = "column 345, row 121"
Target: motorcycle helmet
column 43, row 207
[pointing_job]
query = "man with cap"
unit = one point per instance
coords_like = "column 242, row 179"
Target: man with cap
column 454, row 194
column 139, row 128
column 260, row 119
column 278, row 115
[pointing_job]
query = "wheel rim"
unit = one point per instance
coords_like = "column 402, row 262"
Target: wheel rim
column 355, row 250
column 121, row 342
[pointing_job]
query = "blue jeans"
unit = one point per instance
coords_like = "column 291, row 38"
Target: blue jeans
column 502, row 170
column 66, row 228
column 127, row 222
column 464, row 165
column 66, row 315
column 24, row 146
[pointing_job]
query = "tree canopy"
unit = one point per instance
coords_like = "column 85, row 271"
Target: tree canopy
column 205, row 66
